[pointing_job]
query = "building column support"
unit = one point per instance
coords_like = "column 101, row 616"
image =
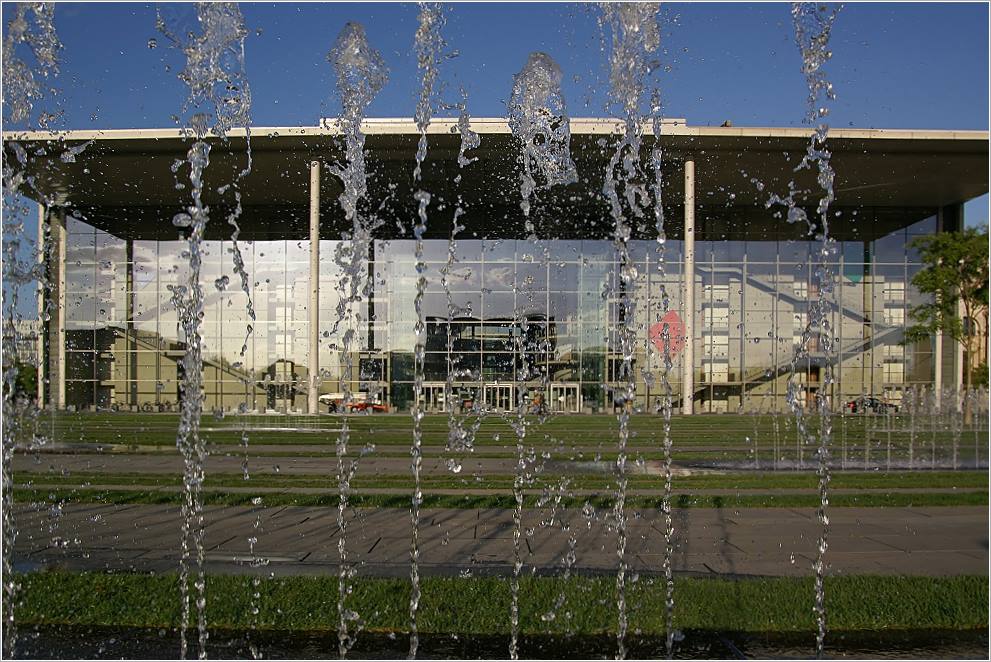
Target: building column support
column 743, row 336
column 688, row 281
column 132, row 340
column 959, row 374
column 55, row 247
column 938, row 368
column 40, row 344
column 313, row 393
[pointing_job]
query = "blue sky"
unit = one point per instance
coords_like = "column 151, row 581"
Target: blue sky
column 895, row 65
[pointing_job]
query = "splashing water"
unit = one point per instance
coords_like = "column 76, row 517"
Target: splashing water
column 21, row 270
column 635, row 36
column 530, row 382
column 470, row 140
column 21, row 267
column 519, row 480
column 216, row 79
column 234, row 109
column 955, row 428
column 657, row 160
column 910, row 403
column 238, row 259
column 668, row 445
column 978, row 411
column 754, row 441
column 538, row 117
column 429, row 51
column 31, row 29
column 14, row 277
column 556, row 494
column 460, row 433
column 255, row 562
column 934, row 409
column 812, row 28
column 419, row 353
column 429, row 44
column 21, row 87
column 361, row 73
column 530, row 379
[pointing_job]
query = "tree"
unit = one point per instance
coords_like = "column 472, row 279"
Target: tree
column 955, row 276
column 981, row 375
column 25, row 381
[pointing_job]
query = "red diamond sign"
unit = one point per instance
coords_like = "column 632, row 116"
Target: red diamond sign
column 676, row 333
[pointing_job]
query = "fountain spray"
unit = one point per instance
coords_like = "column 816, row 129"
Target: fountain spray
column 429, row 49
column 538, row 118
column 218, row 94
column 32, row 29
column 812, row 23
column 361, row 73
column 635, row 36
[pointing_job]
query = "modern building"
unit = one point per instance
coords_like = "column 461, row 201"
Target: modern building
column 506, row 318
column 28, row 336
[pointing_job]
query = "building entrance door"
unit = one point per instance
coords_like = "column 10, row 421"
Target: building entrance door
column 565, row 398
column 433, row 397
column 499, row 396
column 282, row 383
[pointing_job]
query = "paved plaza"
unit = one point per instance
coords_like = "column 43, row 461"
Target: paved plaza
column 710, row 541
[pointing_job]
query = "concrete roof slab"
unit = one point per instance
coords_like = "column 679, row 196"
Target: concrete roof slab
column 123, row 181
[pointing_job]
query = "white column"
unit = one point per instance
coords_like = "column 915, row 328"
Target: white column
column 938, row 368
column 40, row 348
column 56, row 324
column 959, row 377
column 314, row 309
column 688, row 278
column 132, row 341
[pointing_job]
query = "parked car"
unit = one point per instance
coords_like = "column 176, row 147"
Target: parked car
column 369, row 406
column 869, row 404
column 359, row 402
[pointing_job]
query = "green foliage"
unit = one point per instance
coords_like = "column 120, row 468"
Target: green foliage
column 25, row 381
column 26, row 384
column 956, row 270
column 980, row 375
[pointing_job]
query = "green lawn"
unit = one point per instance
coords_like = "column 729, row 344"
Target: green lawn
column 761, row 439
column 504, row 499
column 159, row 429
column 577, row 479
column 481, row 605
column 580, row 448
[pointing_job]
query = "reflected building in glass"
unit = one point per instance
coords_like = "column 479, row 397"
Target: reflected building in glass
column 505, row 318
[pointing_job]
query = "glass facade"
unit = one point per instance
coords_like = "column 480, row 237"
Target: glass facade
column 504, row 319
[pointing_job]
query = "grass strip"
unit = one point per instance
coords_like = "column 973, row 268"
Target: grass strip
column 590, row 480
column 435, row 420
column 505, row 499
column 142, row 429
column 481, row 605
column 568, row 438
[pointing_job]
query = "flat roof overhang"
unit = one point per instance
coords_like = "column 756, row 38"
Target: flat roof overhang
column 123, row 181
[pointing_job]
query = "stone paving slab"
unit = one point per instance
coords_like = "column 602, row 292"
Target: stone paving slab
column 759, row 541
